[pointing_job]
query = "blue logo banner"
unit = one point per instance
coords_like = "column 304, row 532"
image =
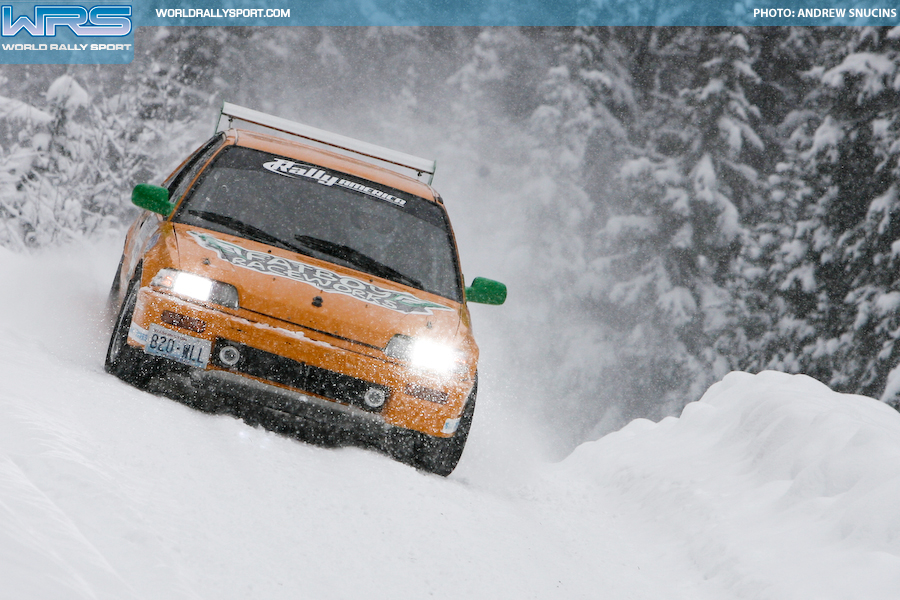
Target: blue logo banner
column 66, row 32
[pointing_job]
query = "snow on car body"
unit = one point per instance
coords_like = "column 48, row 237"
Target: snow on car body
column 305, row 282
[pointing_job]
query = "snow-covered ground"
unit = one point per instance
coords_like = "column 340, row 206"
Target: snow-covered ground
column 770, row 487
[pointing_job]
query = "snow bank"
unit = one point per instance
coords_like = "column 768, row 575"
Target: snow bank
column 780, row 487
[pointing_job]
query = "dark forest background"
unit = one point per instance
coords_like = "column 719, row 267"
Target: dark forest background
column 667, row 204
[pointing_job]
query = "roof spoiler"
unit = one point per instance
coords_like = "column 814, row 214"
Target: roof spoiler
column 230, row 112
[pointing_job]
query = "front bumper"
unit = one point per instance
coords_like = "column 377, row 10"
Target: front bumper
column 298, row 372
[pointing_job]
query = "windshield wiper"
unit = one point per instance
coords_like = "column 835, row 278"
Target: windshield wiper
column 357, row 258
column 245, row 229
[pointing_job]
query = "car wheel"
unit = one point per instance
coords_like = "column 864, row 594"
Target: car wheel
column 436, row 455
column 124, row 361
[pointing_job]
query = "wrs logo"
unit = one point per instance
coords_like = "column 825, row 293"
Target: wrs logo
column 99, row 21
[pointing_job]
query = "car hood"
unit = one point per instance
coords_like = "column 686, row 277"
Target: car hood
column 316, row 294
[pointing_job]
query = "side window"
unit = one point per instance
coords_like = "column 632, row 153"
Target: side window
column 178, row 182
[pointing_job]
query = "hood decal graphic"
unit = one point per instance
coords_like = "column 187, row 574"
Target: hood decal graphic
column 319, row 278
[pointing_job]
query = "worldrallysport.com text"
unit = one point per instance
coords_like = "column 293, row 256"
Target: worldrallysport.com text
column 223, row 13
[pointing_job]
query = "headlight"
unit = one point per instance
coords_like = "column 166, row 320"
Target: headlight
column 425, row 354
column 196, row 287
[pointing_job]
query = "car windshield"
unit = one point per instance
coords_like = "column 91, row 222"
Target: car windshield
column 328, row 215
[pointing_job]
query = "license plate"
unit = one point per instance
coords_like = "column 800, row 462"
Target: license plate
column 178, row 346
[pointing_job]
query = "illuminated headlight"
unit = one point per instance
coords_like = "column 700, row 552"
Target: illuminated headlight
column 425, row 354
column 196, row 287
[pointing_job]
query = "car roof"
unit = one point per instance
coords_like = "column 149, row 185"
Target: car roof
column 330, row 160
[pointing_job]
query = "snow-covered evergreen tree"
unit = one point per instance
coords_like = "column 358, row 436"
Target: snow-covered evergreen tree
column 833, row 264
column 692, row 184
column 44, row 197
column 70, row 172
column 658, row 140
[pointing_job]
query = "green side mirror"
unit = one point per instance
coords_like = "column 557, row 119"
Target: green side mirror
column 152, row 198
column 486, row 291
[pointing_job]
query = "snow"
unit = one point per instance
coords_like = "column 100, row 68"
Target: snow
column 805, row 275
column 881, row 206
column 892, row 387
column 771, row 486
column 16, row 110
column 679, row 304
column 706, row 187
column 874, row 68
column 740, row 42
column 779, row 487
column 887, row 303
column 826, row 138
column 731, row 131
column 630, row 224
column 635, row 167
column 67, row 92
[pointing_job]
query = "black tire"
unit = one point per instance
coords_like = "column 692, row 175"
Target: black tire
column 112, row 300
column 433, row 454
column 124, row 361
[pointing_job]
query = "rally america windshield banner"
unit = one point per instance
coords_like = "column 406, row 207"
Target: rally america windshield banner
column 289, row 168
column 318, row 277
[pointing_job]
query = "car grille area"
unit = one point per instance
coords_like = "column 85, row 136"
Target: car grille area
column 241, row 358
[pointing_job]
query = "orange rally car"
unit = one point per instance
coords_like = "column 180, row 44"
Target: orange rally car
column 305, row 284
